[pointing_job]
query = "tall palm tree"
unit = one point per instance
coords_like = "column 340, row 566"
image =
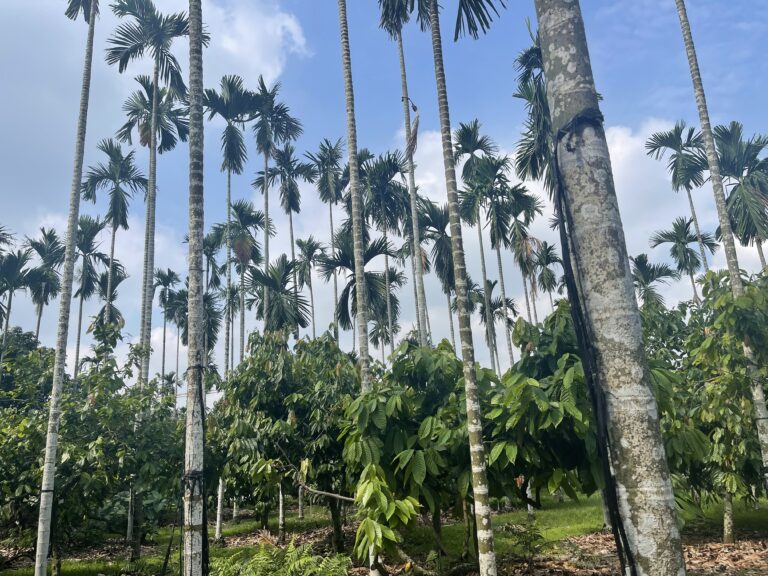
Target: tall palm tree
column 646, row 276
column 685, row 165
column 246, row 222
column 729, row 246
column 14, row 275
column 46, row 283
column 473, row 16
column 310, row 253
column 233, row 104
column 273, row 127
column 91, row 258
column 327, row 161
column 523, row 208
column 165, row 280
column 394, row 16
column 6, row 238
column 356, row 199
column 545, row 259
column 437, row 231
column 286, row 306
column 287, row 172
column 745, row 177
column 195, row 528
column 386, row 205
column 111, row 315
column 89, row 9
column 469, row 145
column 639, row 473
column 680, row 237
column 121, row 179
column 149, row 32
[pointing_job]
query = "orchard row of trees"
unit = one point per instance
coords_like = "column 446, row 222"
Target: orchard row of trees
column 402, row 432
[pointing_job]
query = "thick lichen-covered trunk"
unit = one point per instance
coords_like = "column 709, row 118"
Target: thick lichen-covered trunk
column 486, row 554
column 357, row 210
column 194, row 490
column 645, row 499
column 758, row 391
column 52, row 435
column 418, row 268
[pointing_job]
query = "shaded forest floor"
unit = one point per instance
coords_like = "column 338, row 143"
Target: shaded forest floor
column 572, row 543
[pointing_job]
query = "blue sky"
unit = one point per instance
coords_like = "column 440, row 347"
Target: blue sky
column 637, row 55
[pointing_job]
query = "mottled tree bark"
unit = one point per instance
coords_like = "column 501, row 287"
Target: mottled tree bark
column 52, row 435
column 728, row 518
column 486, row 554
column 354, row 186
column 194, row 491
column 601, row 264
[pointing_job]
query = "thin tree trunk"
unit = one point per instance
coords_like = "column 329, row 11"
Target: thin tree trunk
column 235, row 508
column 52, row 435
column 381, row 349
column 195, row 533
column 450, row 322
column 293, row 258
column 354, row 185
column 527, row 299
column 728, row 518
column 695, row 292
column 110, row 272
column 165, row 326
column 219, row 509
column 280, row 514
column 389, row 299
column 129, row 518
column 533, row 301
column 644, row 489
column 758, row 392
column 489, row 324
column 149, row 249
column 228, row 315
column 504, row 305
column 486, row 555
column 39, row 320
column 178, row 345
column 418, row 269
column 76, row 367
column 312, row 303
column 7, row 325
column 301, row 503
column 551, row 302
column 335, row 279
column 265, row 191
column 759, row 246
column 695, row 218
column 242, row 313
column 338, row 533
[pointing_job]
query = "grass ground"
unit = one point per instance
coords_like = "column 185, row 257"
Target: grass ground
column 557, row 521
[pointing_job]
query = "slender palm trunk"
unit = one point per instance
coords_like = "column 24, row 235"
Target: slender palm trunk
column 389, row 298
column 293, row 259
column 149, row 248
column 7, row 326
column 76, row 367
column 165, row 327
column 312, row 303
column 195, row 536
column 39, row 320
column 450, row 321
column 533, row 300
column 486, row 554
column 354, row 184
column 489, row 326
column 643, row 486
column 695, row 292
column 178, row 346
column 551, row 302
column 695, row 218
column 52, row 435
column 504, row 305
column 527, row 299
column 228, row 313
column 335, row 279
column 280, row 514
column 301, row 503
column 265, row 191
column 110, row 277
column 758, row 392
column 242, row 312
column 761, row 254
column 418, row 269
column 219, row 509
